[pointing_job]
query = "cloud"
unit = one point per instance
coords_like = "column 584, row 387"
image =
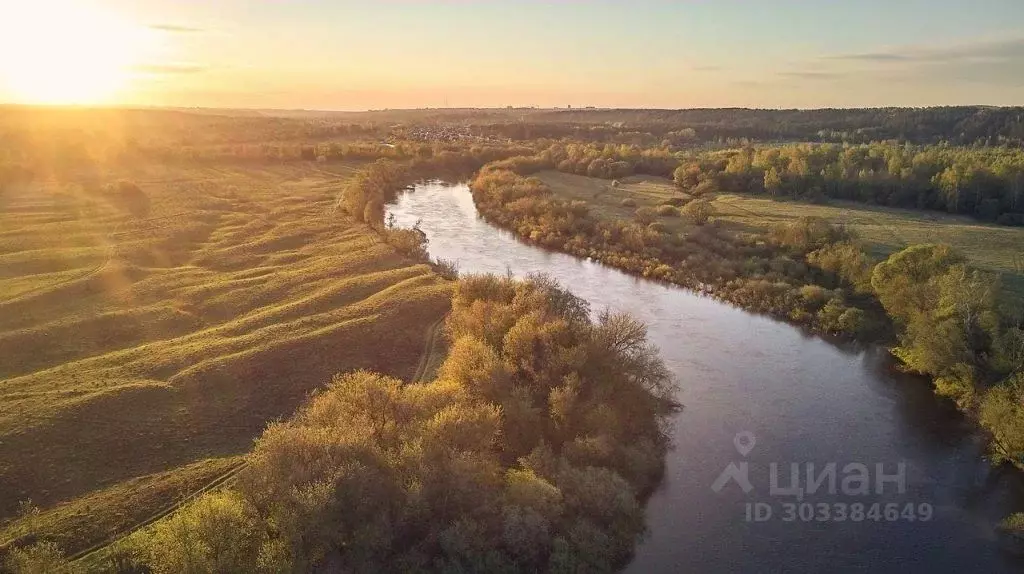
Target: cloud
column 871, row 57
column 995, row 62
column 166, row 69
column 1007, row 49
column 175, row 29
column 811, row 75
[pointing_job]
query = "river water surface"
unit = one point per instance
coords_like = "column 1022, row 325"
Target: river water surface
column 802, row 399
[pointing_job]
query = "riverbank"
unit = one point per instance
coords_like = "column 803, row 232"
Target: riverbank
column 804, row 399
column 942, row 318
column 807, row 273
column 880, row 230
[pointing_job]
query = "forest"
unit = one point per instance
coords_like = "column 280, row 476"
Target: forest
column 962, row 125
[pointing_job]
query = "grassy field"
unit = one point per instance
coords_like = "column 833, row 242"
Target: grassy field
column 883, row 230
column 147, row 340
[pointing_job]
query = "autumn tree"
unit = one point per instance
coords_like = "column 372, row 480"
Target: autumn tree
column 772, row 181
column 699, row 211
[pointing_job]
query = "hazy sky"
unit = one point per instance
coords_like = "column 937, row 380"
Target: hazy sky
column 337, row 54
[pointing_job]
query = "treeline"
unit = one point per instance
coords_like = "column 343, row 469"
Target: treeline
column 964, row 125
column 952, row 329
column 987, row 183
column 77, row 159
column 532, row 451
column 808, row 272
column 945, row 317
column 52, row 140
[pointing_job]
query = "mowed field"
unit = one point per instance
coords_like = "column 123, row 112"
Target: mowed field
column 146, row 340
column 883, row 230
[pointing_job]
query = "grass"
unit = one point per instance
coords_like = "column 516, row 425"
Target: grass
column 144, row 346
column 92, row 518
column 882, row 230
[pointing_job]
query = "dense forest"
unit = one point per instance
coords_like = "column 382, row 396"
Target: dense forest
column 961, row 125
column 987, row 183
column 966, row 125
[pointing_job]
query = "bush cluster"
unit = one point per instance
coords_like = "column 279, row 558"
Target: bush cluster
column 531, row 451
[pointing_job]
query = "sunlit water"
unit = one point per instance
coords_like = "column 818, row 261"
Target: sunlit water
column 803, row 399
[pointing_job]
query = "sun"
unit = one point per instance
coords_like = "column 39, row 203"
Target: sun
column 65, row 52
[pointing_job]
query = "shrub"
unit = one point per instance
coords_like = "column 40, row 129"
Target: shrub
column 1002, row 414
column 628, row 202
column 847, row 262
column 699, row 211
column 1014, row 526
column 409, row 242
column 371, row 188
column 704, row 188
column 41, row 558
column 645, row 215
column 814, row 295
column 809, row 233
column 667, row 211
column 127, row 195
column 219, row 532
column 852, row 322
column 829, row 316
column 446, row 268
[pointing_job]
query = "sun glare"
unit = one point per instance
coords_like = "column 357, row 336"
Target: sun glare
column 64, row 52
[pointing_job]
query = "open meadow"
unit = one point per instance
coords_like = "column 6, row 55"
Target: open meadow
column 150, row 329
column 883, row 230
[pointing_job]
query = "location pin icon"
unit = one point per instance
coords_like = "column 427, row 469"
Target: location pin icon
column 744, row 442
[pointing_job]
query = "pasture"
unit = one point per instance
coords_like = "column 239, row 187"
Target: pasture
column 882, row 230
column 149, row 333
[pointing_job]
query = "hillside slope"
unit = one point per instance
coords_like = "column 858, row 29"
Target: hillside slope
column 144, row 331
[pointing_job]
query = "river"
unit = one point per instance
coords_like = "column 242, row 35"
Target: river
column 759, row 391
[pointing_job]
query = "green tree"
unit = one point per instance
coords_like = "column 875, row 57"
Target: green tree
column 40, row 558
column 1002, row 413
column 219, row 532
column 903, row 282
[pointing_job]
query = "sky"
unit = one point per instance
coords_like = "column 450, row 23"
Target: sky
column 348, row 55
